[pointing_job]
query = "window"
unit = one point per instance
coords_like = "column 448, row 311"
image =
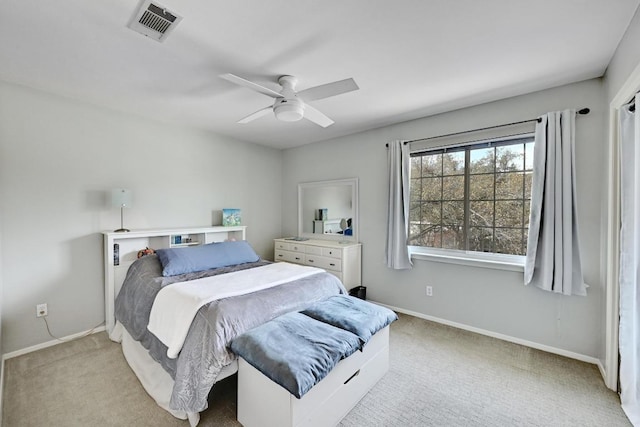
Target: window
column 473, row 197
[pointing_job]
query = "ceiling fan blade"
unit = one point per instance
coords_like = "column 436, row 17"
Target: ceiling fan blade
column 257, row 114
column 251, row 85
column 329, row 89
column 316, row 116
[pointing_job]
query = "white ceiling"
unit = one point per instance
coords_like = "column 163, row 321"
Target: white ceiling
column 411, row 58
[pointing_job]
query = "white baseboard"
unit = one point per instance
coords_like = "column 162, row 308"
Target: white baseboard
column 51, row 343
column 603, row 372
column 502, row 337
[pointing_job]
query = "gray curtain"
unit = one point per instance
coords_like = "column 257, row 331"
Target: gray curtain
column 553, row 249
column 629, row 328
column 399, row 168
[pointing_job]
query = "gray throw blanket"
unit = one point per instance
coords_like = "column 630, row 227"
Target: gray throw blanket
column 352, row 314
column 205, row 351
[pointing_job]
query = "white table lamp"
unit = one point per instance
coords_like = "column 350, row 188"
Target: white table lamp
column 121, row 198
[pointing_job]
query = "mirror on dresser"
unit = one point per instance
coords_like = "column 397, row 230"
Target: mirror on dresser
column 328, row 210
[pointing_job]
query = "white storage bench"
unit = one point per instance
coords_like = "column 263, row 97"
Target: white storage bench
column 263, row 403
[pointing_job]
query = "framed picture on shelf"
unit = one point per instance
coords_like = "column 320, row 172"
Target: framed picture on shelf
column 231, row 217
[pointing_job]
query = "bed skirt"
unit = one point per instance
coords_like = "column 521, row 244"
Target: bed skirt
column 154, row 379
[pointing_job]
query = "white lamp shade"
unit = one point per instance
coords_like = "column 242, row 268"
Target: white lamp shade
column 121, row 198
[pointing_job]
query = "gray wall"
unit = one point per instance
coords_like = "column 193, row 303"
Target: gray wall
column 625, row 59
column 492, row 300
column 58, row 157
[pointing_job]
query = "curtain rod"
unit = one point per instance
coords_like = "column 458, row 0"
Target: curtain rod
column 582, row 111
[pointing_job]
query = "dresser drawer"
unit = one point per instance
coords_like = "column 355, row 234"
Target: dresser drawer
column 296, row 247
column 332, row 252
column 314, row 250
column 289, row 256
column 282, row 245
column 324, row 262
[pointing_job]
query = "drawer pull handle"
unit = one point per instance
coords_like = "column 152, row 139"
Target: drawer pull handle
column 310, row 260
column 280, row 255
column 332, row 264
column 297, row 258
column 352, row 376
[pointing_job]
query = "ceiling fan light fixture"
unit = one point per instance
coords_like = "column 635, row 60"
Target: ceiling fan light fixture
column 288, row 107
column 289, row 110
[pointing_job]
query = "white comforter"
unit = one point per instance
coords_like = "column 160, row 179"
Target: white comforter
column 176, row 305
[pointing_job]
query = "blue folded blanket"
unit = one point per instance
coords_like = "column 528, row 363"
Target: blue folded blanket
column 295, row 350
column 352, row 314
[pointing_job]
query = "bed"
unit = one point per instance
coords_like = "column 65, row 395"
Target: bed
column 180, row 377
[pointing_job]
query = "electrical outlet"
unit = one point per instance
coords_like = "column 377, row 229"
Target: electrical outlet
column 429, row 291
column 41, row 310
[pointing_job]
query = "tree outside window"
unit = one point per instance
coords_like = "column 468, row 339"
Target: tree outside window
column 472, row 198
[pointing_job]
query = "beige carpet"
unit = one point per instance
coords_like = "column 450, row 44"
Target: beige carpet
column 439, row 376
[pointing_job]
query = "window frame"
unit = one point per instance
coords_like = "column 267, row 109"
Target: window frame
column 492, row 260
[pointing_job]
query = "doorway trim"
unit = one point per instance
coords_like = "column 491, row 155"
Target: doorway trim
column 626, row 92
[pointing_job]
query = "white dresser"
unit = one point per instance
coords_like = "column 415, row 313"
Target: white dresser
column 343, row 260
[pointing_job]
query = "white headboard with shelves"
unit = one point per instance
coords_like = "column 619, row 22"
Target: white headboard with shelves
column 116, row 263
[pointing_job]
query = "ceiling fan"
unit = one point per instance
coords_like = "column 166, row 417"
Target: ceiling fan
column 290, row 105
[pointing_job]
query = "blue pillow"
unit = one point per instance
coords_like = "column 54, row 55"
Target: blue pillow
column 199, row 258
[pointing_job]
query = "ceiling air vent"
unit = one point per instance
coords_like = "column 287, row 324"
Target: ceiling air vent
column 154, row 21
